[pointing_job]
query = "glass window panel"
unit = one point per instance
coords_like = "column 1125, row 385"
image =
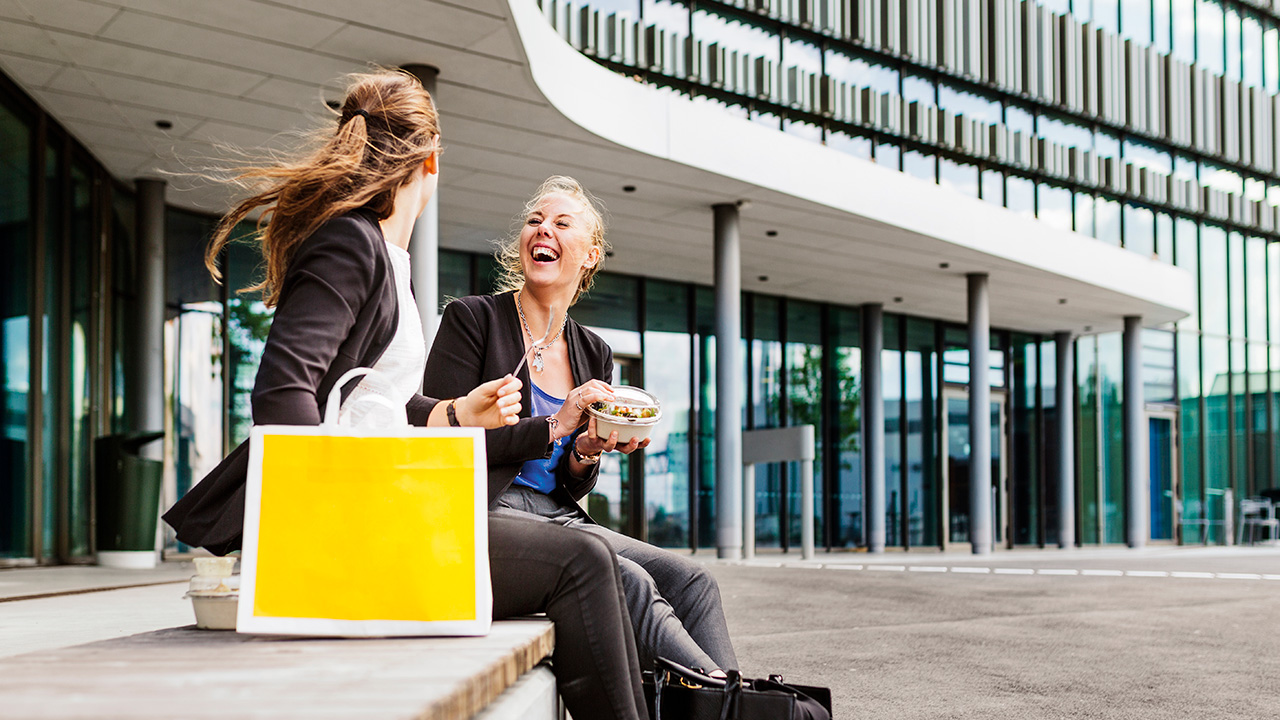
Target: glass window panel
column 1256, row 288
column 805, row 402
column 1020, row 195
column 1192, row 436
column 766, row 411
column 612, row 303
column 454, row 276
column 1087, row 459
column 1184, row 30
column 1270, row 58
column 248, row 324
column 1187, row 256
column 920, row 165
column 710, row 27
column 1213, row 279
column 1162, row 22
column 666, row 14
column 1139, row 230
column 1106, row 144
column 849, row 144
column 861, row 72
column 1158, row 380
column 1273, row 293
column 968, row 104
column 1019, row 120
column 668, row 350
column 1225, row 179
column 1215, row 374
column 1106, row 15
column 54, row 344
column 1026, row 449
column 629, row 8
column 1233, row 43
column 800, row 128
column 888, row 155
column 923, row 488
column 806, row 56
column 1209, row 28
column 1236, row 282
column 1148, row 156
column 16, row 248
column 123, row 287
column 993, row 187
column 1252, row 57
column 704, row 300
column 917, row 89
column 1061, row 7
column 1046, row 392
column 1106, row 215
column 891, row 382
column 1240, row 419
column 961, row 177
column 1111, row 376
column 1164, row 237
column 1053, row 206
column 1135, row 20
column 1065, row 132
column 847, row 503
column 1084, row 214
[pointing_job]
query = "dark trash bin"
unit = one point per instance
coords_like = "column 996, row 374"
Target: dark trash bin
column 127, row 492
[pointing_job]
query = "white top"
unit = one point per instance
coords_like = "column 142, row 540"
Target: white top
column 402, row 364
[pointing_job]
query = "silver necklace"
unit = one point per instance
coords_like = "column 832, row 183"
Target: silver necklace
column 537, row 363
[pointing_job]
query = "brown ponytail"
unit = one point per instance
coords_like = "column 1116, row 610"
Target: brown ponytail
column 387, row 127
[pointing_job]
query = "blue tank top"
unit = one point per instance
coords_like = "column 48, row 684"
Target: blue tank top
column 540, row 474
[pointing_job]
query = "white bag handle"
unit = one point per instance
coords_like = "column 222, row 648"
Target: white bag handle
column 332, row 407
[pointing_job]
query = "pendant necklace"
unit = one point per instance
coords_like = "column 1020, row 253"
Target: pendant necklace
column 537, row 363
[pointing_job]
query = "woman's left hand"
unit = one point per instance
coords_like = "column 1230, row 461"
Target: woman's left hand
column 588, row 444
column 493, row 404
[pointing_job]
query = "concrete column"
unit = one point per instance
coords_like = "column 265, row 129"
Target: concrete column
column 873, row 423
column 146, row 380
column 1135, row 438
column 1064, row 400
column 424, row 244
column 980, row 531
column 728, row 278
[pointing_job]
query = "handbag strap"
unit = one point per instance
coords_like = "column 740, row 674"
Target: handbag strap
column 659, row 682
column 730, row 706
column 693, row 676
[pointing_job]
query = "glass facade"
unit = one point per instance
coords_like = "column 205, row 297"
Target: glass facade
column 1148, row 126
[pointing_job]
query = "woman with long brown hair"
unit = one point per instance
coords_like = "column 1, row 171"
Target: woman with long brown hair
column 334, row 232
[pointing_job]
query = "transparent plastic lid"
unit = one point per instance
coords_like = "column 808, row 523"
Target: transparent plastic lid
column 631, row 406
column 205, row 586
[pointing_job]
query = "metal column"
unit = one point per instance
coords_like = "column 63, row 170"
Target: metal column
column 873, row 423
column 980, row 497
column 1064, row 400
column 146, row 406
column 424, row 244
column 728, row 279
column 1135, row 437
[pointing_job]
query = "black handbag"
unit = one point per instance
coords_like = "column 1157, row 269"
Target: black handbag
column 675, row 692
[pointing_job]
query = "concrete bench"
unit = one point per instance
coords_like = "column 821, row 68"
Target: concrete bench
column 190, row 673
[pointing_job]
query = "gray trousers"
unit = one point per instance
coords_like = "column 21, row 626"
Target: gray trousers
column 674, row 603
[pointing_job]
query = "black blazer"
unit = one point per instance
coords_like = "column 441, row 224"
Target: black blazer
column 337, row 311
column 480, row 338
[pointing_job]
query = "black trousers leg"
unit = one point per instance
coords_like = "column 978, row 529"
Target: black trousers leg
column 572, row 577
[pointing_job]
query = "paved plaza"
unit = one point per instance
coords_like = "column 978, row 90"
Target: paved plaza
column 1103, row 633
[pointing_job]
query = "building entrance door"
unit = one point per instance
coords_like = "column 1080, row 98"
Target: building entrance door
column 1162, row 468
column 956, row 469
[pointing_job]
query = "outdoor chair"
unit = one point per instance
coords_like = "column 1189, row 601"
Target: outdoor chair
column 1257, row 514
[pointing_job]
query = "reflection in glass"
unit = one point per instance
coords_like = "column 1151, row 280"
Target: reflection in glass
column 1084, row 214
column 861, row 73
column 1213, row 279
column 805, row 404
column 1106, row 214
column 1191, row 434
column 891, row 384
column 1235, row 282
column 1233, row 43
column 1157, row 366
column 54, row 346
column 1111, row 393
column 766, row 412
column 1270, row 62
column 1087, row 440
column 1208, row 30
column 1215, row 374
column 704, row 301
column 1252, row 57
column 15, row 333
column 668, row 361
column 709, row 27
column 849, row 144
column 923, row 490
column 960, row 177
column 1106, row 15
column 993, row 187
column 1164, row 237
column 1256, row 288
column 1026, row 448
column 1053, row 206
column 1184, row 30
column 846, row 505
column 888, row 155
column 920, row 165
column 968, row 104
column 1163, row 26
column 1139, row 230
column 1020, row 195
column 1065, row 132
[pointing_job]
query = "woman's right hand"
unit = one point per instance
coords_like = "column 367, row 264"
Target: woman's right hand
column 574, row 410
column 493, row 404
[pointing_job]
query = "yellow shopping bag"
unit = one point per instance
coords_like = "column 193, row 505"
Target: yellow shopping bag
column 365, row 533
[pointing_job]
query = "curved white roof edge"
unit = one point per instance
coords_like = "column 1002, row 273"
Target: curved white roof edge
column 667, row 125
